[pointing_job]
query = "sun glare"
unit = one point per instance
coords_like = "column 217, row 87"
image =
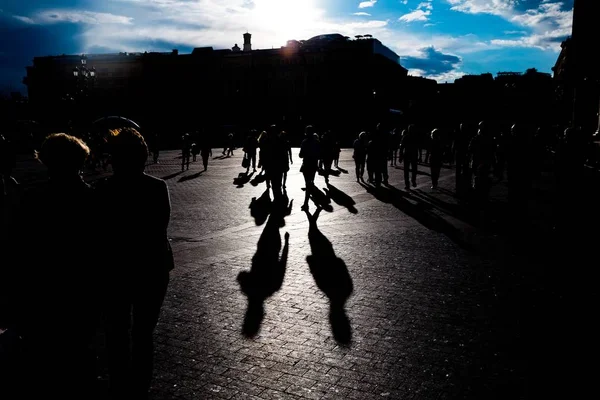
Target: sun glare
column 287, row 19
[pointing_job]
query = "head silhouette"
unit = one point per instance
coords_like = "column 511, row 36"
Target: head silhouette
column 128, row 151
column 309, row 131
column 63, row 155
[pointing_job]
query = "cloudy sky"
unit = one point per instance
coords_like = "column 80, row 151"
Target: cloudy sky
column 440, row 39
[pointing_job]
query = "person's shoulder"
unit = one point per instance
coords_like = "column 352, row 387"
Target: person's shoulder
column 153, row 181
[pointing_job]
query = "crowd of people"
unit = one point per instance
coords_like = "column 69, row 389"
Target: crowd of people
column 67, row 278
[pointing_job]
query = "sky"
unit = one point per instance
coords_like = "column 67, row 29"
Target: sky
column 437, row 39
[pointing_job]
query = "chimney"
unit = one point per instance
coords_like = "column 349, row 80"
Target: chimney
column 247, row 44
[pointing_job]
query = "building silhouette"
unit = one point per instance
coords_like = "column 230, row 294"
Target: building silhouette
column 328, row 80
column 576, row 70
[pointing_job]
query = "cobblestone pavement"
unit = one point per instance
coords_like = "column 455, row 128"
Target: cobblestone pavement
column 432, row 310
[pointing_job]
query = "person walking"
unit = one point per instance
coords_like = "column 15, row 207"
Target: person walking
column 138, row 261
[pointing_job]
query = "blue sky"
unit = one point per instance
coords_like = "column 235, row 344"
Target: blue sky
column 439, row 39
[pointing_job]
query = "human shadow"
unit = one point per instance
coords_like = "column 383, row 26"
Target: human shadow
column 258, row 179
column 261, row 208
column 419, row 210
column 320, row 199
column 190, row 177
column 342, row 170
column 332, row 277
column 456, row 210
column 340, row 198
column 219, row 157
column 266, row 274
column 242, row 179
column 419, row 172
column 170, row 176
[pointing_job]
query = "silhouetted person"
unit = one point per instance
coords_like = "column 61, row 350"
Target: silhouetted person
column 205, row 150
column 310, row 155
column 409, row 151
column 570, row 173
column 186, row 151
column 59, row 277
column 379, row 150
column 327, row 153
column 250, row 147
column 461, row 148
column 266, row 274
column 482, row 151
column 278, row 163
column 360, row 155
column 395, row 139
column 519, row 163
column 436, row 156
column 230, row 145
column 331, row 276
column 336, row 153
column 287, row 150
column 137, row 263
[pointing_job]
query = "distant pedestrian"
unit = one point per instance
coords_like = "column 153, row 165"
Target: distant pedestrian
column 186, row 151
column 310, row 155
column 360, row 155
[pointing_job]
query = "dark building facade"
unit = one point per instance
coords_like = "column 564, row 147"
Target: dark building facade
column 328, row 80
column 577, row 72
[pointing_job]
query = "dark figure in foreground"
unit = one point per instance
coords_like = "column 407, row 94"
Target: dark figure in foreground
column 58, row 291
column 137, row 264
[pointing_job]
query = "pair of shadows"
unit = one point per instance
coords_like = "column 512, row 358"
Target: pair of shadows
column 419, row 210
column 262, row 207
column 268, row 270
column 242, row 179
column 322, row 199
column 183, row 178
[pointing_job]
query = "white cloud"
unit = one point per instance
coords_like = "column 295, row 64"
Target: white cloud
column 495, row 7
column 365, row 4
column 417, row 15
column 27, row 20
column 426, row 4
column 547, row 24
column 421, row 13
column 362, row 13
column 77, row 16
column 220, row 23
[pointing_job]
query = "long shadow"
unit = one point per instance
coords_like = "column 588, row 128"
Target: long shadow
column 341, row 198
column 332, row 277
column 219, row 157
column 320, row 199
column 342, row 170
column 190, row 177
column 266, row 274
column 461, row 212
column 242, row 179
column 258, row 179
column 173, row 175
column 419, row 210
column 419, row 172
column 261, row 208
